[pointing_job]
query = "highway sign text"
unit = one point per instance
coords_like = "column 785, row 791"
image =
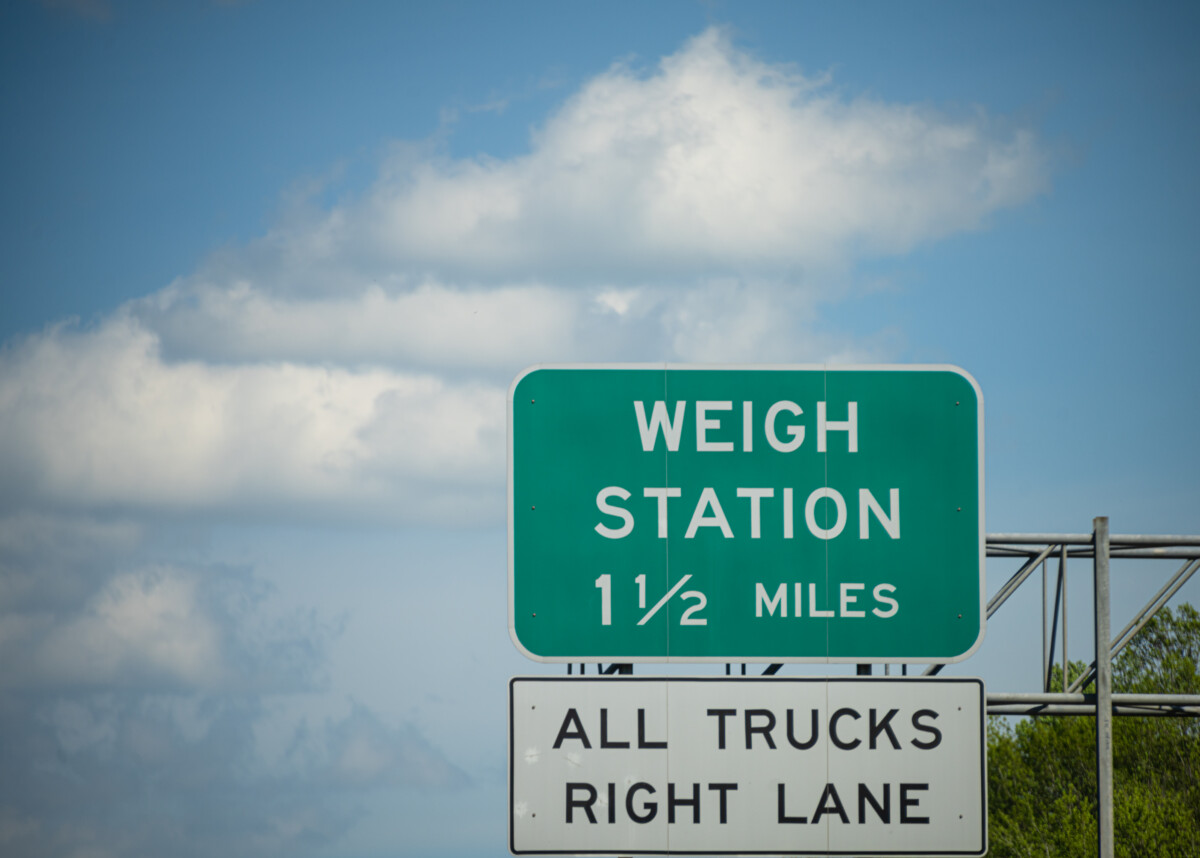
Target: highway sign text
column 740, row 766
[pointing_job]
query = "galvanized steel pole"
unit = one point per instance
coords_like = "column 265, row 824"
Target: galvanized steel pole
column 1062, row 574
column 1104, row 723
column 1047, row 645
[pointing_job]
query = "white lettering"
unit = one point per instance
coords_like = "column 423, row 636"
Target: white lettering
column 708, row 499
column 890, row 521
column 849, row 426
column 796, row 432
column 756, row 496
column 879, row 597
column 662, row 494
column 671, row 429
column 812, row 603
column 826, row 512
column 703, row 424
column 848, row 600
column 780, row 600
column 844, row 606
column 608, row 509
column 810, row 509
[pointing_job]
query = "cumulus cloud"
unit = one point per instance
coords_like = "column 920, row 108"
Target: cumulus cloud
column 161, row 693
column 119, row 774
column 354, row 359
column 351, row 364
column 53, row 562
column 140, row 624
column 428, row 325
column 98, row 418
column 159, row 628
column 713, row 161
column 711, row 172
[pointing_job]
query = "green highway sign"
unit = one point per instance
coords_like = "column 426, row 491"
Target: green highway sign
column 694, row 513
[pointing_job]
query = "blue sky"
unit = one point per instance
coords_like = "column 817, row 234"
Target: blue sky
column 269, row 267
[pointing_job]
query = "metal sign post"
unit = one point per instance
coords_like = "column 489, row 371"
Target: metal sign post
column 1104, row 725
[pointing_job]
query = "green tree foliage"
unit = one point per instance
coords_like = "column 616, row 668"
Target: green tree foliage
column 1041, row 771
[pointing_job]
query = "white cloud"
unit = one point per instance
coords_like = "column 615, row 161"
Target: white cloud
column 362, row 751
column 141, row 623
column 716, row 160
column 352, row 365
column 731, row 321
column 164, row 628
column 353, row 360
column 427, row 325
column 141, row 627
column 644, row 196
column 98, row 418
column 189, row 770
column 48, row 562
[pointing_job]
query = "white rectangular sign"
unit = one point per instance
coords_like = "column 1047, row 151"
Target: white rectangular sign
column 748, row 765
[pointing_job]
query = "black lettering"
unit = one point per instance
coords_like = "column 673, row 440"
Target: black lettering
column 642, row 743
column 585, row 804
column 813, row 733
column 604, row 741
column 577, row 733
column 721, row 714
column 906, row 803
column 723, row 789
column 833, row 734
column 783, row 817
column 612, row 803
column 883, row 726
column 673, row 802
column 884, row 811
column 765, row 729
column 650, row 807
column 824, row 805
column 934, row 731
